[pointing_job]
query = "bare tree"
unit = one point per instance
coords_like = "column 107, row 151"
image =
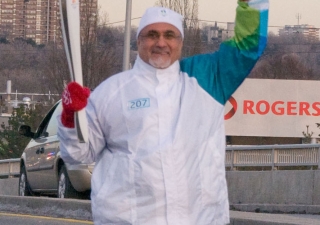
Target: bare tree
column 99, row 55
column 54, row 67
column 189, row 9
column 289, row 57
column 19, row 63
column 282, row 66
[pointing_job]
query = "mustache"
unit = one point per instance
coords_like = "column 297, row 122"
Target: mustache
column 158, row 50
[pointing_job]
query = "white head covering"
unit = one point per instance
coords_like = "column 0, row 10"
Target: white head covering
column 161, row 15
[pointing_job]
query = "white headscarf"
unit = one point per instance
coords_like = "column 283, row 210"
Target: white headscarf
column 161, row 15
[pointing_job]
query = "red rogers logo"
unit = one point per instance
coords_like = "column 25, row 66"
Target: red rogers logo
column 279, row 108
column 233, row 110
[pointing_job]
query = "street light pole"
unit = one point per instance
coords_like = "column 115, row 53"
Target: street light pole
column 126, row 52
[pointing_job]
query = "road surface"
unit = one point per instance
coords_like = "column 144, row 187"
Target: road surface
column 19, row 219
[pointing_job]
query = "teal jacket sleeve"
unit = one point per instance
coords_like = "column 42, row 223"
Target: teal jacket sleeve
column 222, row 72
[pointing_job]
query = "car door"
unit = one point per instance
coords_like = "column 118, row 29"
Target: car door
column 32, row 162
column 49, row 151
column 44, row 150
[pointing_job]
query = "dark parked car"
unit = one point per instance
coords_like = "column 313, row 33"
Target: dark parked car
column 43, row 171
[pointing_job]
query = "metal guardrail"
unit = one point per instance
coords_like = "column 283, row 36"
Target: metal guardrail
column 9, row 168
column 273, row 156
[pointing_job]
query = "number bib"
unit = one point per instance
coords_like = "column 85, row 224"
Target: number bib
column 139, row 103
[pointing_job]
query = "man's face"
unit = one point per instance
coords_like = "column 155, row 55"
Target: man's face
column 160, row 45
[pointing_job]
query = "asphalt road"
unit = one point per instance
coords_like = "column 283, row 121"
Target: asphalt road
column 19, row 219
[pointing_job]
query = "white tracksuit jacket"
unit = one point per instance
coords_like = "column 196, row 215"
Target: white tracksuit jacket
column 157, row 136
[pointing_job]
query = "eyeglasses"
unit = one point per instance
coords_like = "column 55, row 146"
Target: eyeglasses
column 155, row 36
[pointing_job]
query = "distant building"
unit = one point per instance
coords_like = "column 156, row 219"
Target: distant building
column 35, row 19
column 216, row 33
column 308, row 31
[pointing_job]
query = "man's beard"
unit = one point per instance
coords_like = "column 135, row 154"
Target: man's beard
column 160, row 62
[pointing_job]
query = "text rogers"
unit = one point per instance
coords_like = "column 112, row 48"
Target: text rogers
column 279, row 108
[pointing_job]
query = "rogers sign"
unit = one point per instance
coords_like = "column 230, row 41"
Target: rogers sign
column 233, row 110
column 278, row 108
column 273, row 108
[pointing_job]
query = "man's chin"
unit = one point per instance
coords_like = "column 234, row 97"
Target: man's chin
column 160, row 63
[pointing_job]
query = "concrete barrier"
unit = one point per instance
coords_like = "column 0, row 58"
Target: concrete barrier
column 81, row 210
column 255, row 191
column 296, row 187
column 9, row 186
column 291, row 187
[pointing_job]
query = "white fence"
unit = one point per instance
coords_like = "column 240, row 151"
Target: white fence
column 273, row 156
column 9, row 168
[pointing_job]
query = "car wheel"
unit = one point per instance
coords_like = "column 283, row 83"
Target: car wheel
column 24, row 187
column 65, row 188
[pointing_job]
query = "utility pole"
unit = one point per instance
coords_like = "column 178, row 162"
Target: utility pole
column 126, row 51
column 298, row 17
column 1, row 103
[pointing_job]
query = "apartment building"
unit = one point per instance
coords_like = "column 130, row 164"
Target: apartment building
column 216, row 33
column 308, row 31
column 35, row 19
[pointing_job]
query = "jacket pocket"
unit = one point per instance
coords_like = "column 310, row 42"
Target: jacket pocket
column 213, row 182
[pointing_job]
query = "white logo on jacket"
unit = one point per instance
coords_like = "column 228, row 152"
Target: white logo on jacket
column 66, row 98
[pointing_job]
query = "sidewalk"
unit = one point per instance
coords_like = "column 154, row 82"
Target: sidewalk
column 251, row 218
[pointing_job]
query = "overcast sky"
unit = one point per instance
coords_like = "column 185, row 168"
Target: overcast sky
column 282, row 12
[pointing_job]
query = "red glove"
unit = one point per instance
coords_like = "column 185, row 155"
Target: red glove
column 74, row 98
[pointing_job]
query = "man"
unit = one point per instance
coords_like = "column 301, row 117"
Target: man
column 156, row 132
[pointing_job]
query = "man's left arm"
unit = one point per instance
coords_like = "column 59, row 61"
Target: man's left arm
column 221, row 73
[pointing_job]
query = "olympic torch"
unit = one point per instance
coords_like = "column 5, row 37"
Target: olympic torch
column 70, row 25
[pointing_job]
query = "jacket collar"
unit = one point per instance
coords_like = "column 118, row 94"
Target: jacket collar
column 170, row 74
